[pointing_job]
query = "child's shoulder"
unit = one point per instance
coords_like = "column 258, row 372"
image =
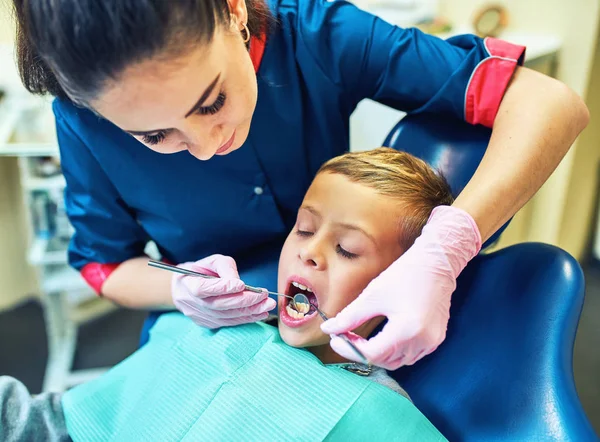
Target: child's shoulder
column 382, row 377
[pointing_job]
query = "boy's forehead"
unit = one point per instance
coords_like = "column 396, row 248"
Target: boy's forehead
column 338, row 199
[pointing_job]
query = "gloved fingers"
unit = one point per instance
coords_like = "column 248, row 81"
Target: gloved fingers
column 243, row 320
column 353, row 316
column 395, row 347
column 220, row 266
column 394, row 363
column 202, row 321
column 342, row 348
column 388, row 345
column 224, row 266
column 417, row 357
column 205, row 322
column 256, row 310
column 197, row 267
column 203, row 287
column 235, row 301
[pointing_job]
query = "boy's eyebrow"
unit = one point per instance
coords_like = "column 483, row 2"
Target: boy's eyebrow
column 312, row 210
column 346, row 226
column 358, row 229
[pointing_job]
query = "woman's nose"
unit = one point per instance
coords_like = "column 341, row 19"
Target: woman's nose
column 203, row 141
column 197, row 151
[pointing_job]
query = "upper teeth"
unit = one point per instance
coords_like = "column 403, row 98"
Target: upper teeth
column 301, row 287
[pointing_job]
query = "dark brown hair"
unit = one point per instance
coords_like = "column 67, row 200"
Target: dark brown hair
column 399, row 175
column 70, row 48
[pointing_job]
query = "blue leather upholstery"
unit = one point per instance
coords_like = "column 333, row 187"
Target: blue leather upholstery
column 453, row 147
column 505, row 370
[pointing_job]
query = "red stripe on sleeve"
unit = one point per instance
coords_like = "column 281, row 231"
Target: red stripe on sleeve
column 489, row 81
column 95, row 274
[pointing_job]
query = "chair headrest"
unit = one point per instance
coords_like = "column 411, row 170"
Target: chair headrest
column 451, row 146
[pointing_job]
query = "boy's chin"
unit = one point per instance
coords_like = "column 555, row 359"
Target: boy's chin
column 298, row 339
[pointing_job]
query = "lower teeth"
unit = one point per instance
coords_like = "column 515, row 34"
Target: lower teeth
column 301, row 307
column 293, row 313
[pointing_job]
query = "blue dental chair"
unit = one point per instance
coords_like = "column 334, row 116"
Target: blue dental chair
column 505, row 370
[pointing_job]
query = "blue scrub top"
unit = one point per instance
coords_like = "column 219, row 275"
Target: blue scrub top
column 318, row 64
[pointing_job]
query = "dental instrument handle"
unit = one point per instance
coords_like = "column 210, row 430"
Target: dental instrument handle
column 345, row 338
column 355, row 349
column 172, row 268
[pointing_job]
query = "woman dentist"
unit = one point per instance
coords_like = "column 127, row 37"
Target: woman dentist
column 199, row 124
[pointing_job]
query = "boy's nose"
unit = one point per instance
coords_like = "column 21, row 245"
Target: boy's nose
column 311, row 257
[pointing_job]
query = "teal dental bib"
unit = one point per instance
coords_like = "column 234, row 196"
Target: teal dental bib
column 241, row 383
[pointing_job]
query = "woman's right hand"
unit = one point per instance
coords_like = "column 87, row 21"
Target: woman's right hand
column 218, row 302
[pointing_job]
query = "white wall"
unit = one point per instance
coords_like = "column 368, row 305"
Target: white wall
column 7, row 29
column 577, row 226
column 552, row 216
column 17, row 279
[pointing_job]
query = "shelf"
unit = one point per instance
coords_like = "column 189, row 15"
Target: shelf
column 27, row 131
column 48, row 252
column 10, row 113
column 65, row 279
column 29, row 149
column 51, row 183
column 27, row 128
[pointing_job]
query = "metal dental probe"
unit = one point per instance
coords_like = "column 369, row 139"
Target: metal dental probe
column 301, row 298
column 171, row 268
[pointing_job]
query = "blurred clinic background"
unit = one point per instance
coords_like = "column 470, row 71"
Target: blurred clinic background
column 55, row 333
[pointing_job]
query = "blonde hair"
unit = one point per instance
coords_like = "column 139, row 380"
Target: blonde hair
column 399, row 175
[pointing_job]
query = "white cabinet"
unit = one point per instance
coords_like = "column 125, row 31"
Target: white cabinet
column 27, row 133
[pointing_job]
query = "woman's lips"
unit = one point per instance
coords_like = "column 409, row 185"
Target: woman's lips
column 225, row 147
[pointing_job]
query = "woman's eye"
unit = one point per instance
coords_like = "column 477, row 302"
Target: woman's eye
column 303, row 233
column 213, row 108
column 153, row 139
column 159, row 137
column 346, row 254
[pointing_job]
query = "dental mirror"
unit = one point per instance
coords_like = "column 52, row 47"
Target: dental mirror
column 299, row 298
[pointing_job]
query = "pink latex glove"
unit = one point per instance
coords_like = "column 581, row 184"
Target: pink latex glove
column 218, row 302
column 413, row 293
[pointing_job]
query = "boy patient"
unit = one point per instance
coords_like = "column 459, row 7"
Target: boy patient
column 362, row 211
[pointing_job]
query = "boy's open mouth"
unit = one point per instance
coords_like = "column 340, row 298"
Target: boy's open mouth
column 299, row 313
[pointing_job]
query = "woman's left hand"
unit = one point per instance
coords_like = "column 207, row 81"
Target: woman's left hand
column 413, row 293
